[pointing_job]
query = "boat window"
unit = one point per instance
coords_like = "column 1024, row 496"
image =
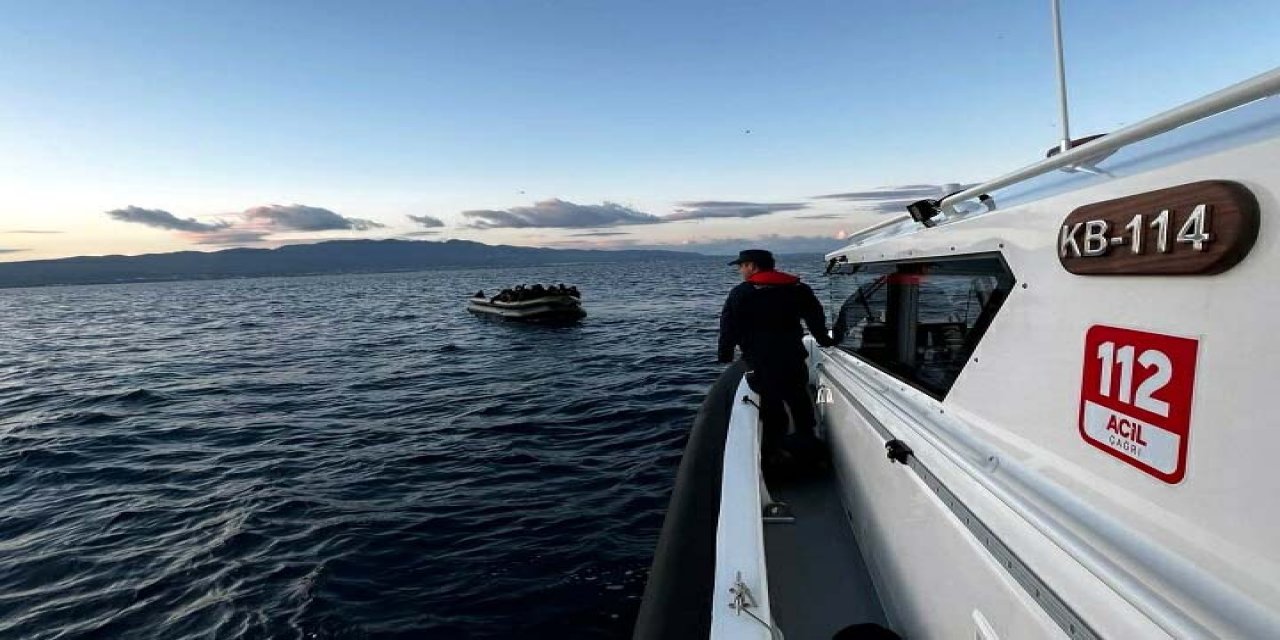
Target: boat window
column 918, row 321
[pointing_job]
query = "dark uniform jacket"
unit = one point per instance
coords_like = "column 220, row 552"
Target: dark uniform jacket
column 762, row 316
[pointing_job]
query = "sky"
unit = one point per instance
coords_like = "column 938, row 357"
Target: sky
column 142, row 127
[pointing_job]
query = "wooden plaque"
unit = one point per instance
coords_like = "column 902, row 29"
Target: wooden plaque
column 1197, row 228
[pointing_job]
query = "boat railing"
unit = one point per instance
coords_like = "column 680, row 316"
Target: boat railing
column 1260, row 86
column 1255, row 88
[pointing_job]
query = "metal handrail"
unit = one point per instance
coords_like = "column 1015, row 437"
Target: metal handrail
column 869, row 230
column 880, row 225
column 1255, row 88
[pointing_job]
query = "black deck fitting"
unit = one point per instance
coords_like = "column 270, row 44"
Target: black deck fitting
column 898, row 451
column 924, row 211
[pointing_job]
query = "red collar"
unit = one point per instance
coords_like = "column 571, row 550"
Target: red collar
column 772, row 277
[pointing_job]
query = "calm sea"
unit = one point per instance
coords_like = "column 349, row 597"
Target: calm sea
column 344, row 456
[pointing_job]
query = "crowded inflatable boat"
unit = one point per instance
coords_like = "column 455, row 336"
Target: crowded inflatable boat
column 537, row 304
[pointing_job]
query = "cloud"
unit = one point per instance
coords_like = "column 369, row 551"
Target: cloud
column 912, row 192
column 30, row 231
column 599, row 234
column 894, row 199
column 251, row 226
column 884, row 206
column 562, row 214
column 3, row 250
column 558, row 214
column 574, row 242
column 299, row 217
column 718, row 246
column 429, row 222
column 773, row 242
column 820, row 216
column 429, row 232
column 726, row 209
column 229, row 236
column 161, row 219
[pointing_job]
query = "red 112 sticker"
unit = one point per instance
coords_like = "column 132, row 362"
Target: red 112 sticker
column 1135, row 398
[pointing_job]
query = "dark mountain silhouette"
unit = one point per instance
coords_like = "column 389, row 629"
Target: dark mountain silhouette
column 338, row 256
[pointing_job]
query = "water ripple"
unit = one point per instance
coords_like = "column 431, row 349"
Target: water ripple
column 342, row 457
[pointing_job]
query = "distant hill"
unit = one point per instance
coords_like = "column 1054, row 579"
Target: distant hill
column 337, row 256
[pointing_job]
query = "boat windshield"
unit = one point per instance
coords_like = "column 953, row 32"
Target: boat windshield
column 918, row 321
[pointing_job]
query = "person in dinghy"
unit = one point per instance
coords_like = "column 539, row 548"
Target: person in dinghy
column 762, row 317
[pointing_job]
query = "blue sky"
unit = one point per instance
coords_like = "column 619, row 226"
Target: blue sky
column 728, row 119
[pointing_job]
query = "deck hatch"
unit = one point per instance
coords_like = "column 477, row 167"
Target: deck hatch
column 918, row 320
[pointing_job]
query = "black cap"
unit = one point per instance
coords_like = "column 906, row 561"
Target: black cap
column 758, row 257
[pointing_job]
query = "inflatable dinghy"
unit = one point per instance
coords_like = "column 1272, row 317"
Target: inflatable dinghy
column 544, row 309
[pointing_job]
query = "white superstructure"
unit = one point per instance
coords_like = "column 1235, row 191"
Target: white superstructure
column 1099, row 464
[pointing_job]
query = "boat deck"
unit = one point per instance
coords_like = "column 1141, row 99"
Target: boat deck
column 818, row 583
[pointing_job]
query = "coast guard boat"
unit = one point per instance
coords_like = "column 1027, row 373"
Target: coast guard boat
column 1048, row 413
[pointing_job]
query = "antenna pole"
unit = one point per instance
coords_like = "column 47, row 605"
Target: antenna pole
column 1065, row 144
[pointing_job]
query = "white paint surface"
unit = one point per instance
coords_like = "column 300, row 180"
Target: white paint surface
column 740, row 529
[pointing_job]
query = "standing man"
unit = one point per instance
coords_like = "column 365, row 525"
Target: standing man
column 762, row 317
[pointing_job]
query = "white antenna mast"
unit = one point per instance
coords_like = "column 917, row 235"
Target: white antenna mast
column 1065, row 144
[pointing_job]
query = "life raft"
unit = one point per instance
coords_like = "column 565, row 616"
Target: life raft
column 544, row 309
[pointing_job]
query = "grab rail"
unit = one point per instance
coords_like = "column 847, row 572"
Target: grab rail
column 1255, row 88
column 878, row 226
column 1260, row 86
